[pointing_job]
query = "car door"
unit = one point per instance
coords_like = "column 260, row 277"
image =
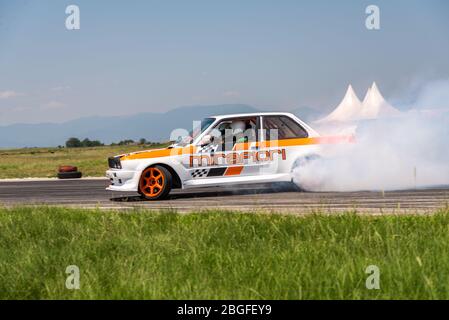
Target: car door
column 228, row 153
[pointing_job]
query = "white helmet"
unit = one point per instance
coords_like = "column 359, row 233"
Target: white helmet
column 238, row 126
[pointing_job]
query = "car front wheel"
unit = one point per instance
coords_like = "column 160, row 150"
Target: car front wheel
column 155, row 183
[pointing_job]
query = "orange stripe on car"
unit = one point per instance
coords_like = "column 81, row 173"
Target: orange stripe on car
column 297, row 142
column 233, row 171
column 158, row 153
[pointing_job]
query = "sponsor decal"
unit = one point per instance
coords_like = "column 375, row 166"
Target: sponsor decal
column 235, row 158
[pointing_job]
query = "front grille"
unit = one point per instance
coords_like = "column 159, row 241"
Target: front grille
column 114, row 163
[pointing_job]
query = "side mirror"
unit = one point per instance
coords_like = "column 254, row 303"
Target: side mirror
column 206, row 140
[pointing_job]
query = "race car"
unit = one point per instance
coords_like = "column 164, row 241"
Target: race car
column 222, row 150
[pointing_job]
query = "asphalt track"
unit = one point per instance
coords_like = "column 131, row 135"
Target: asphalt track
column 91, row 193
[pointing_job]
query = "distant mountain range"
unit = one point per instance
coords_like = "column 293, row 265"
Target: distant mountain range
column 151, row 126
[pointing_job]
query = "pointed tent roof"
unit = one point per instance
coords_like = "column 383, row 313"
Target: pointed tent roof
column 347, row 110
column 375, row 106
column 367, row 96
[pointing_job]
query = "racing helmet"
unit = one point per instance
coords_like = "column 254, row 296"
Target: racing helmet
column 238, row 126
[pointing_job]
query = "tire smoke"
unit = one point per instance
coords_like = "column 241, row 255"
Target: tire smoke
column 404, row 152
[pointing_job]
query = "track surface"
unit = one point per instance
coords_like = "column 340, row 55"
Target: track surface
column 269, row 198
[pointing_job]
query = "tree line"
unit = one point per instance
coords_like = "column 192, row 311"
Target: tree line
column 74, row 142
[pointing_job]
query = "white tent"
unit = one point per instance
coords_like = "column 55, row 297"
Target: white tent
column 375, row 106
column 367, row 96
column 348, row 109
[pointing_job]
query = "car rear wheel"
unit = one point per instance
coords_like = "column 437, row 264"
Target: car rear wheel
column 155, row 183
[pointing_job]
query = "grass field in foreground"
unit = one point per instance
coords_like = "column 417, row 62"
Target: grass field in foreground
column 44, row 162
column 220, row 255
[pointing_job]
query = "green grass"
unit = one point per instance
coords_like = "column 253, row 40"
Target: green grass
column 217, row 255
column 44, row 162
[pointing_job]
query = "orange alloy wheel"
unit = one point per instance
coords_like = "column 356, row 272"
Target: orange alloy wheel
column 155, row 183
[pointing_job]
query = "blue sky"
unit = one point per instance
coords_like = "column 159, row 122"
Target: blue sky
column 151, row 56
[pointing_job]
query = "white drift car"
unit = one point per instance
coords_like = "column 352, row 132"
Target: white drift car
column 223, row 150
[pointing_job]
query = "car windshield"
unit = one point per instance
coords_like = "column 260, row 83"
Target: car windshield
column 198, row 128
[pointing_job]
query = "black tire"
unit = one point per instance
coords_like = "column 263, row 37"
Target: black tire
column 165, row 181
column 69, row 175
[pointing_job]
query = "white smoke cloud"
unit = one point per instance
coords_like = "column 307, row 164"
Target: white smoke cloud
column 434, row 95
column 398, row 153
column 8, row 94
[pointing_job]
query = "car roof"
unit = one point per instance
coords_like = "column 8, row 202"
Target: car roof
column 254, row 114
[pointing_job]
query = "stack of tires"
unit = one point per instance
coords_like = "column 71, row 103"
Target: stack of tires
column 68, row 172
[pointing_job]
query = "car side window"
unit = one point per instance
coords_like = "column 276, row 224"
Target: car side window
column 282, row 127
column 231, row 131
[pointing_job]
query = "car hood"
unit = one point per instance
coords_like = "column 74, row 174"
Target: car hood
column 157, row 153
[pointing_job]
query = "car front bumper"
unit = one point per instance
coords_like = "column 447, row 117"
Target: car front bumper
column 122, row 180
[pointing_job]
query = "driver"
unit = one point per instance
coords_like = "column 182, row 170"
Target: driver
column 238, row 128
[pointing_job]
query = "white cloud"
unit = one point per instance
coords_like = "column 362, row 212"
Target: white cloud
column 20, row 109
column 231, row 94
column 60, row 88
column 8, row 94
column 53, row 105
